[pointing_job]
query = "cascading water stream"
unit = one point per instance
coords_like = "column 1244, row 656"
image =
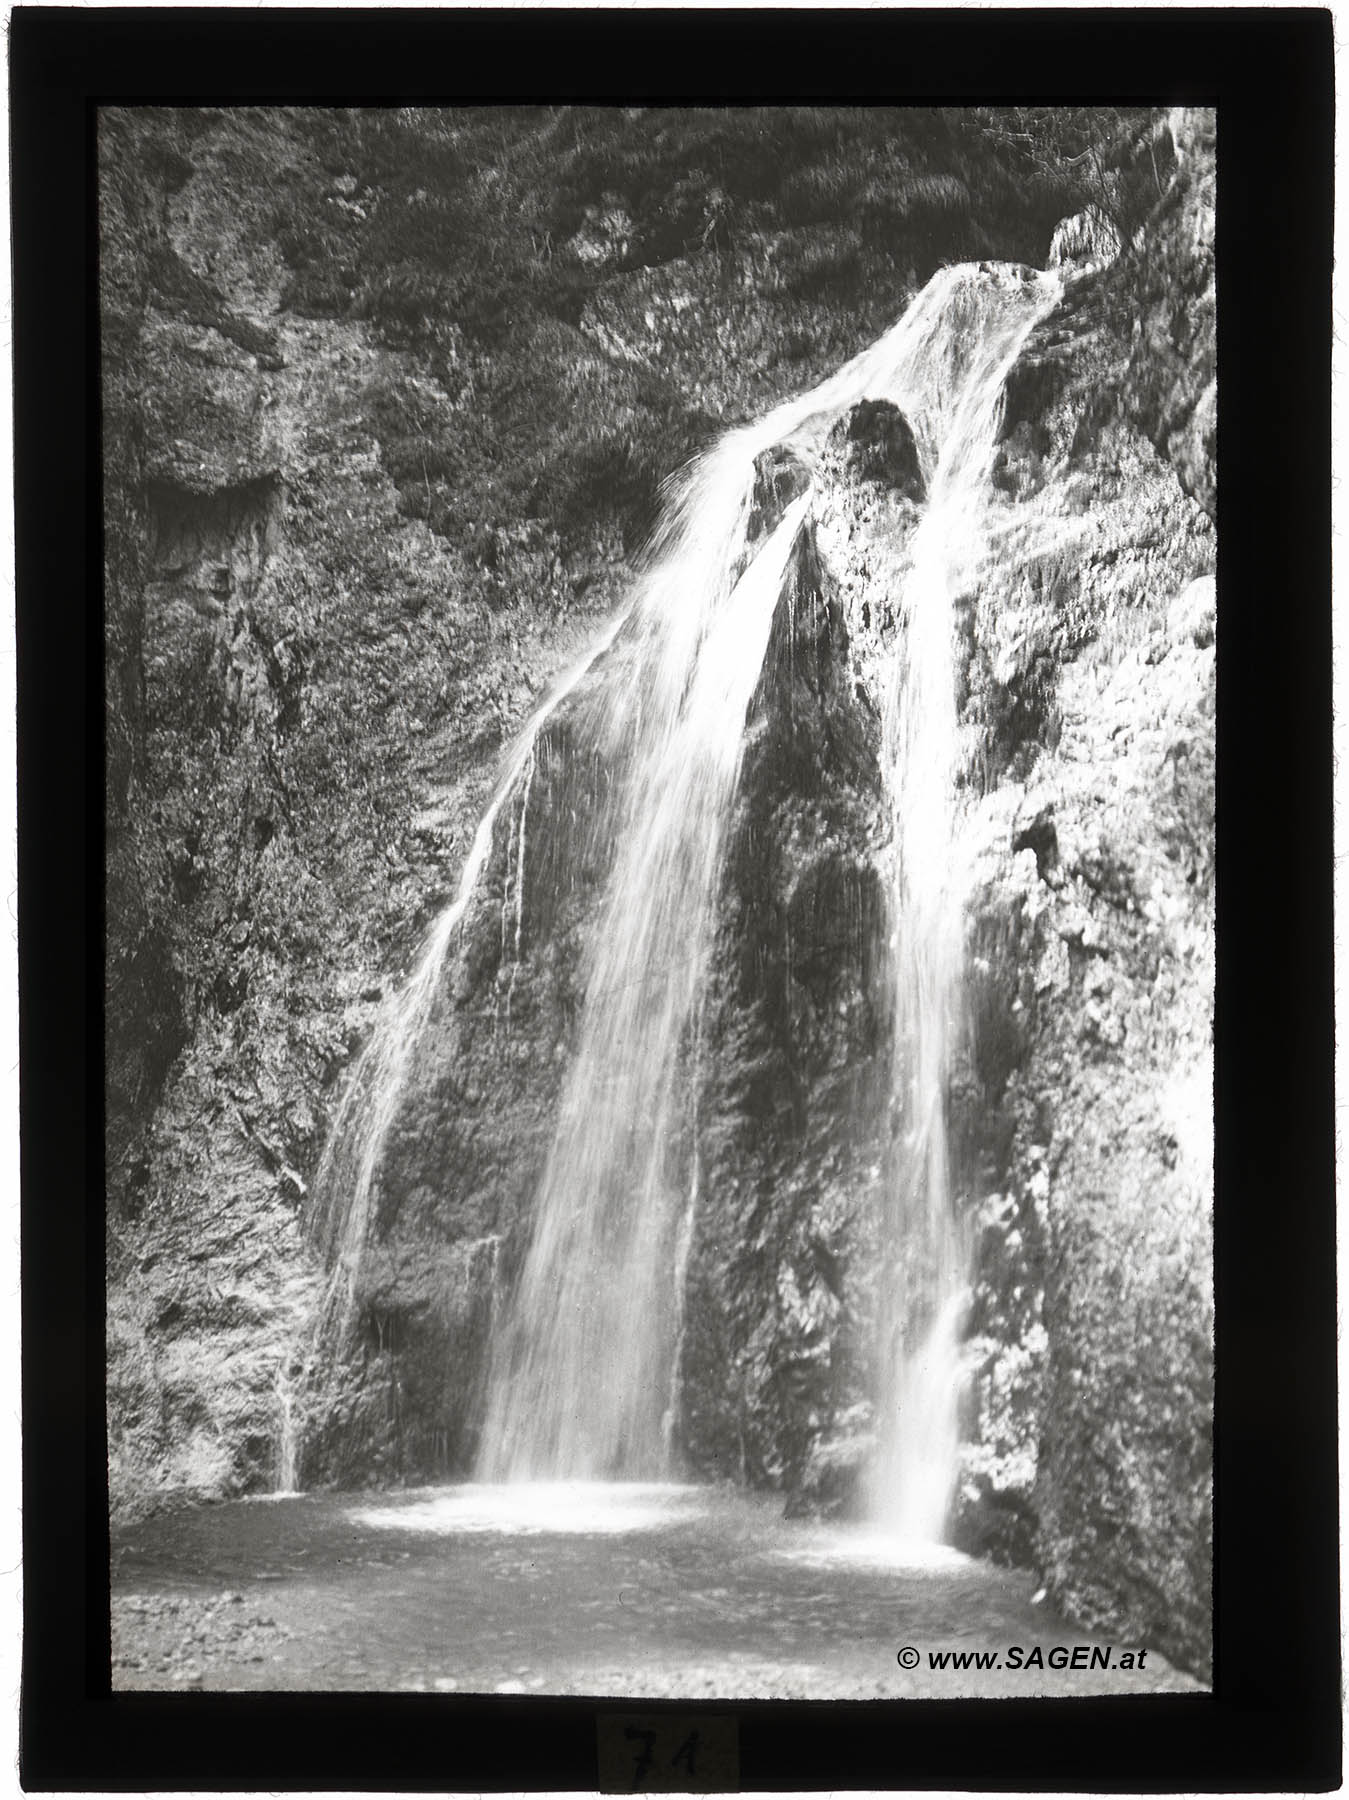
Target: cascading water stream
column 581, row 1367
column 580, row 1373
column 924, row 1261
column 584, row 1354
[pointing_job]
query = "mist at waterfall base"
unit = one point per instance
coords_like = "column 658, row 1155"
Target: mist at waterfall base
column 584, row 1362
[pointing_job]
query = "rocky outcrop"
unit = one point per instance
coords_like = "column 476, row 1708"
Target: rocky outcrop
column 1149, row 317
column 1092, row 952
column 793, row 1054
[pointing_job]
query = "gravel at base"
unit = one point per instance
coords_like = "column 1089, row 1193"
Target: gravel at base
column 719, row 1599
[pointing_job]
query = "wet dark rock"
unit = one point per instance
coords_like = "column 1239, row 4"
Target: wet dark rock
column 831, row 1485
column 780, row 477
column 880, row 447
column 1033, row 385
column 1018, row 462
column 998, row 1525
column 1041, row 839
column 793, row 1048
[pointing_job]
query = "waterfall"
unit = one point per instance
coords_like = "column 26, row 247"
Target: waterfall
column 582, row 1368
column 580, row 1373
column 924, row 1260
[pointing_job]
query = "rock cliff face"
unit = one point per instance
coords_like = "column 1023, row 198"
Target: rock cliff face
column 326, row 618
column 1088, row 1097
column 794, row 1055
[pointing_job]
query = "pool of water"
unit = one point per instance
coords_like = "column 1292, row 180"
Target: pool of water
column 622, row 1589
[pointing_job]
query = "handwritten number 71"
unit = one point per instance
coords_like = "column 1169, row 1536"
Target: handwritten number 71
column 647, row 1754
